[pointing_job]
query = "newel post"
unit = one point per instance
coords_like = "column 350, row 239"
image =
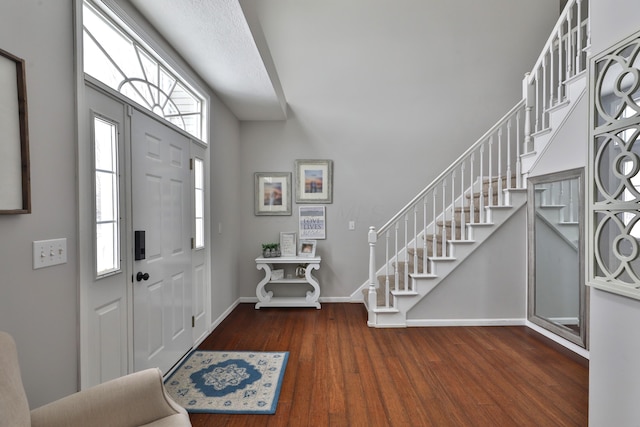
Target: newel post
column 529, row 100
column 372, row 296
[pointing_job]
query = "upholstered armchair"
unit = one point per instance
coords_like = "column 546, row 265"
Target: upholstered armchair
column 138, row 399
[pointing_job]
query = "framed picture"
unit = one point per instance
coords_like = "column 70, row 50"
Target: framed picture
column 288, row 243
column 272, row 193
column 15, row 187
column 311, row 222
column 307, row 248
column 314, row 181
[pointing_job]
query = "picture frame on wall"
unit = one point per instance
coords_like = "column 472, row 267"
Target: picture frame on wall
column 311, row 222
column 314, row 181
column 272, row 193
column 15, row 181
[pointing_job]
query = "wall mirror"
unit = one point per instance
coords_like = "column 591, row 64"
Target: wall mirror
column 15, row 195
column 557, row 297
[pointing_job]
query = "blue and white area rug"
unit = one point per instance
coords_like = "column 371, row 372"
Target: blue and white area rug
column 235, row 382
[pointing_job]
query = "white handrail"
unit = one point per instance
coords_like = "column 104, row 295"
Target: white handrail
column 447, row 171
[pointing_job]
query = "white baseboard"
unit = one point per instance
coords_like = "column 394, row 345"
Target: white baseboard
column 464, row 322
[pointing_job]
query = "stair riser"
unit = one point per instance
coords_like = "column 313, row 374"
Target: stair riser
column 494, row 182
column 467, row 215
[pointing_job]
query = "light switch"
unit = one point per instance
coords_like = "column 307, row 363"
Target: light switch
column 352, row 225
column 49, row 252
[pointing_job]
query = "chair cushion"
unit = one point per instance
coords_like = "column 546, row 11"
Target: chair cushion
column 14, row 406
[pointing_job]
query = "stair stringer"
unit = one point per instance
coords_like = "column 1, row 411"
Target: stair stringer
column 396, row 316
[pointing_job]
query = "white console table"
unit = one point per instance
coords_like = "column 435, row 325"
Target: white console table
column 266, row 298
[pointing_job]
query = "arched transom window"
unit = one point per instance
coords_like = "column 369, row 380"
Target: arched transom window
column 113, row 57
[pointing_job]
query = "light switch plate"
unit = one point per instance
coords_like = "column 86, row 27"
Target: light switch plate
column 49, row 252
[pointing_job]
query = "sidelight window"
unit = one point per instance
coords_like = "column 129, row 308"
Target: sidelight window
column 107, row 206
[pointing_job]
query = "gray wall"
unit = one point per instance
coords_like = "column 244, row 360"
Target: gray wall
column 391, row 114
column 39, row 307
column 614, row 389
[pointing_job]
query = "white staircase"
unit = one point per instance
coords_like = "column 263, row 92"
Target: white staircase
column 468, row 202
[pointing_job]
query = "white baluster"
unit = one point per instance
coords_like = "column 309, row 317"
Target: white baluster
column 373, row 281
column 406, row 253
column 490, row 189
column 472, row 214
column 518, row 142
column 569, row 50
column 538, row 105
column 544, row 93
column 481, row 181
column 453, row 205
column 463, row 219
column 578, row 66
column 444, row 209
column 499, row 167
column 552, row 71
column 415, row 239
column 424, row 237
column 509, row 172
column 559, row 68
column 397, row 257
column 387, row 284
column 434, row 247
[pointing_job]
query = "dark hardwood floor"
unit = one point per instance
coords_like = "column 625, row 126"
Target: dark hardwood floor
column 342, row 373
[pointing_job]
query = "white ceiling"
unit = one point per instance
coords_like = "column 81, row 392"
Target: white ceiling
column 226, row 48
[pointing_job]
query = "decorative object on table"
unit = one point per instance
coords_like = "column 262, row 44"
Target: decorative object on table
column 311, row 222
column 301, row 270
column 314, row 181
column 307, row 248
column 15, row 188
column 234, row 382
column 270, row 250
column 288, row 243
column 277, row 274
column 272, row 193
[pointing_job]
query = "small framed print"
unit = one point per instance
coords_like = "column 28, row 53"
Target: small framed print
column 314, row 181
column 272, row 193
column 311, row 222
column 307, row 248
column 288, row 243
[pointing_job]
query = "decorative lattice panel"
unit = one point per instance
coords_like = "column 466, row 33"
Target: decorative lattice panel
column 614, row 157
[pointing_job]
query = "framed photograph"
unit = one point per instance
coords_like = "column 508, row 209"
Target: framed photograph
column 273, row 193
column 312, row 222
column 288, row 243
column 314, row 181
column 15, row 186
column 307, row 248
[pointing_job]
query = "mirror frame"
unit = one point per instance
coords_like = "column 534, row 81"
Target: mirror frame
column 580, row 339
column 16, row 109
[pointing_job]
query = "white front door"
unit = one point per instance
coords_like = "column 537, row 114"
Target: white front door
column 162, row 280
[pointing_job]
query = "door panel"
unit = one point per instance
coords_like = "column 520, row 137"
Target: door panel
column 162, row 208
column 103, row 301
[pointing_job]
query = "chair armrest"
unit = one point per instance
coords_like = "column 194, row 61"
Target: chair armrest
column 132, row 400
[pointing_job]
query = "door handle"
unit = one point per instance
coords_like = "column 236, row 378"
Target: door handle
column 142, row 276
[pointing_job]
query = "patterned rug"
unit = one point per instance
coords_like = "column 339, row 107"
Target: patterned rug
column 236, row 382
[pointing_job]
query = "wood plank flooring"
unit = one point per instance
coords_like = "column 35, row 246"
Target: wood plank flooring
column 342, row 373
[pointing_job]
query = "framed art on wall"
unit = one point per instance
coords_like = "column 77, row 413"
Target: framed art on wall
column 314, row 181
column 312, row 222
column 15, row 186
column 272, row 193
